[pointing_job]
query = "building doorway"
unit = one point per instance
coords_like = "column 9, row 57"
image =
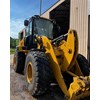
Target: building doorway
column 61, row 14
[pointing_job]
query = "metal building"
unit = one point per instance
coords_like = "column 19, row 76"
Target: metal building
column 72, row 14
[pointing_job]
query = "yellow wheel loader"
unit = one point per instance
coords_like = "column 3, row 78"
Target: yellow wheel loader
column 45, row 57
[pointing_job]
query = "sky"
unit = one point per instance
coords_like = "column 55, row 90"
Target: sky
column 22, row 9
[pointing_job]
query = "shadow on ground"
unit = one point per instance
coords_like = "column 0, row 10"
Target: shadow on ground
column 54, row 93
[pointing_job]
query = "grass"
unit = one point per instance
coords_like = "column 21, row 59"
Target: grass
column 12, row 51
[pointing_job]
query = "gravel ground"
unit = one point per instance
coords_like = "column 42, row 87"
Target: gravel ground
column 19, row 92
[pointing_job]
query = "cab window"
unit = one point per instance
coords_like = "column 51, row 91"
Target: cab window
column 29, row 29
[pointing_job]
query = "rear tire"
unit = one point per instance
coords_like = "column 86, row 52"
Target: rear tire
column 84, row 65
column 19, row 62
column 37, row 73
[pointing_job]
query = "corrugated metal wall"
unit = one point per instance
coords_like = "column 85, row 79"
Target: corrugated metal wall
column 79, row 22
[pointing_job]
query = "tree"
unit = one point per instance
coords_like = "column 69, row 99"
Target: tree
column 13, row 42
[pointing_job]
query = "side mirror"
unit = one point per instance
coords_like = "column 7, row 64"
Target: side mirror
column 56, row 31
column 58, row 28
column 26, row 22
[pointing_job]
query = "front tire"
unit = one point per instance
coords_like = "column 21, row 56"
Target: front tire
column 37, row 72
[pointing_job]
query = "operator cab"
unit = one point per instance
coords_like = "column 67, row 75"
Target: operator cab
column 37, row 25
column 41, row 26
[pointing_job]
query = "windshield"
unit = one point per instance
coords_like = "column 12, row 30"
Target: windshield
column 43, row 27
